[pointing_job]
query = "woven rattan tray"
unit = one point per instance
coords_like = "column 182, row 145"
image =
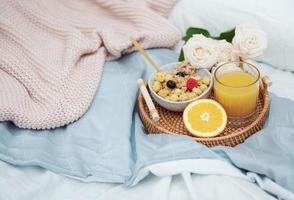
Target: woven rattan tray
column 172, row 123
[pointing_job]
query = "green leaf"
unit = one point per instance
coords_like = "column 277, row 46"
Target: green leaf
column 228, row 35
column 181, row 57
column 191, row 31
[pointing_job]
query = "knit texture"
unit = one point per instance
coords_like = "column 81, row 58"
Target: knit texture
column 52, row 52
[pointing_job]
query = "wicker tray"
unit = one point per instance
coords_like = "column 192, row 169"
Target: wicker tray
column 171, row 122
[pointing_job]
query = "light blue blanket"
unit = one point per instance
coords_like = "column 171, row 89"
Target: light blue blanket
column 109, row 143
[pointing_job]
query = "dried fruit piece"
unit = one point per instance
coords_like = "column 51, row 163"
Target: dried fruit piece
column 159, row 76
column 174, row 97
column 163, row 93
column 197, row 91
column 156, row 86
column 191, row 83
column 203, row 87
column 171, row 84
column 182, row 74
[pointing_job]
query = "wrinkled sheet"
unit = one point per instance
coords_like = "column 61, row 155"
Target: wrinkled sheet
column 30, row 183
column 90, row 151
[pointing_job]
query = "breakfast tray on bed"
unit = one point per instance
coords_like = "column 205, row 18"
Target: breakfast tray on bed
column 172, row 123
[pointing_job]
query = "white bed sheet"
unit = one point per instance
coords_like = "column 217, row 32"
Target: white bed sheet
column 35, row 183
column 27, row 183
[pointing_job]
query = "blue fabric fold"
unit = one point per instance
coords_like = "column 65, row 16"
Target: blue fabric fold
column 109, row 143
column 270, row 152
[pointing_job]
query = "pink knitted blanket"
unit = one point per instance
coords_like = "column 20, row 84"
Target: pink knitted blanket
column 52, row 52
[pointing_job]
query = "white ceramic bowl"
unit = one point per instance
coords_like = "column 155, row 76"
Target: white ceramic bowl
column 178, row 106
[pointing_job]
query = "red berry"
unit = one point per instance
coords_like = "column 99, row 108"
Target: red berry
column 191, row 83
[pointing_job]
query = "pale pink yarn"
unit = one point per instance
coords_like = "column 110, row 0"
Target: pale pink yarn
column 52, row 52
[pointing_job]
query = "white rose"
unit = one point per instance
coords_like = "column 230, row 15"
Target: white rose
column 200, row 51
column 226, row 52
column 249, row 41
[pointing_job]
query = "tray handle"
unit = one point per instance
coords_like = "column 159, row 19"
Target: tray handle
column 265, row 82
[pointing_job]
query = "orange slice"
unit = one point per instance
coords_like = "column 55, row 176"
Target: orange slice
column 205, row 118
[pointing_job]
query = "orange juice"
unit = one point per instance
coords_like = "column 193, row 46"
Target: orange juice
column 237, row 92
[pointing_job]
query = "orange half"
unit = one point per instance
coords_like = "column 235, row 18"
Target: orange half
column 205, row 118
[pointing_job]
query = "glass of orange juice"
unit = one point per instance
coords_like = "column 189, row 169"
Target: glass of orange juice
column 236, row 88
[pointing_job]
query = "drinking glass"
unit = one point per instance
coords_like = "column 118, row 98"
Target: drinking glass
column 236, row 88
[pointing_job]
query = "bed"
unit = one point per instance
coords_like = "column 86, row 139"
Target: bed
column 165, row 180
column 38, row 183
